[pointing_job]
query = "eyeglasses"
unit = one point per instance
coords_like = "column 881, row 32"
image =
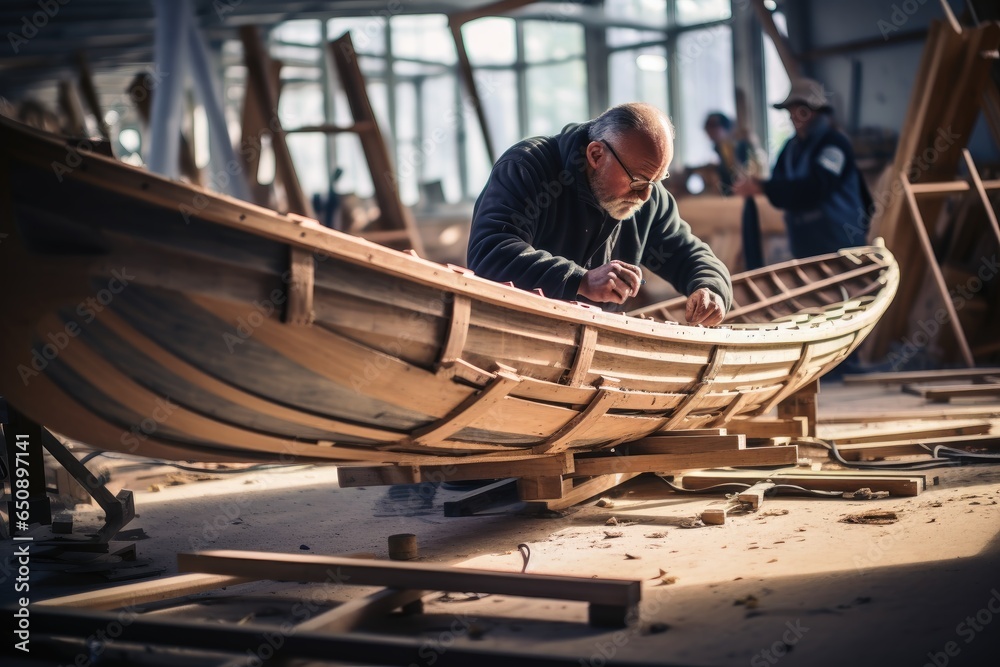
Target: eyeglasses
column 637, row 184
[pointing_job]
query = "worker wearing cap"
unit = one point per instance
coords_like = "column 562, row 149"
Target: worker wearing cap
column 815, row 179
column 576, row 214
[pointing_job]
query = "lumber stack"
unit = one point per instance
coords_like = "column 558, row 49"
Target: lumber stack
column 935, row 225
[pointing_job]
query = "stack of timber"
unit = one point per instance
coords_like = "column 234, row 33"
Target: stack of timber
column 970, row 426
column 943, row 231
column 157, row 318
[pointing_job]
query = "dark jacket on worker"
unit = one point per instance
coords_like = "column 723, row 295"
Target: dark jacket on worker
column 537, row 224
column 824, row 196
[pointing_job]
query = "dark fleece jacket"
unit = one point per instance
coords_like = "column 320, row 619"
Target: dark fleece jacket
column 537, row 224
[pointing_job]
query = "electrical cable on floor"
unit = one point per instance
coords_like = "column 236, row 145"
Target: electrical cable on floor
column 736, row 487
column 941, row 457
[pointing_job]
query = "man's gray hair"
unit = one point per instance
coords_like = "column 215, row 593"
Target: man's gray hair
column 633, row 116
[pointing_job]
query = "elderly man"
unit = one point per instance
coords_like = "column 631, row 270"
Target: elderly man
column 815, row 179
column 575, row 215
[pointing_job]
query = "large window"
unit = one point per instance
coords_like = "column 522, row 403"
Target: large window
column 535, row 74
column 705, row 71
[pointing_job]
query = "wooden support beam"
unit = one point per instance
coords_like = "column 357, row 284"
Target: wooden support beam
column 458, row 330
column 542, row 466
column 535, row 488
column 393, row 214
column 258, row 64
column 788, row 59
column 581, row 492
column 622, row 596
column 977, row 183
column 803, row 403
column 663, row 463
column 132, row 595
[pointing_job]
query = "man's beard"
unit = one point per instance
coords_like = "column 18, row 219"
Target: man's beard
column 619, row 208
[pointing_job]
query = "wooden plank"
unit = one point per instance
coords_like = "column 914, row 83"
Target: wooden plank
column 895, row 485
column 885, row 435
column 764, row 427
column 905, row 377
column 541, row 466
column 760, row 456
column 582, row 492
column 132, row 595
column 943, row 413
column 406, row 575
column 686, row 444
column 915, row 446
column 944, row 393
column 755, row 494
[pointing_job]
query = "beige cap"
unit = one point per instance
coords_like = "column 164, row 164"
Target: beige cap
column 808, row 92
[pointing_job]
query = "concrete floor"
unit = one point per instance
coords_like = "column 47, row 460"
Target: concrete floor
column 790, row 584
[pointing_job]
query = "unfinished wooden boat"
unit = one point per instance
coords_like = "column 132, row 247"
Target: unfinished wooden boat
column 146, row 316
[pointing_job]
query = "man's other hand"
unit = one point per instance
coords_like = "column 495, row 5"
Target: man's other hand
column 705, row 307
column 615, row 281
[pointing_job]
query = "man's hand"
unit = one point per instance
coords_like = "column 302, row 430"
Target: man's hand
column 705, row 307
column 747, row 187
column 614, row 282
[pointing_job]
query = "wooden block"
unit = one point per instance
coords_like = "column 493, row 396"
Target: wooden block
column 534, row 488
column 716, row 515
column 581, row 492
column 755, row 494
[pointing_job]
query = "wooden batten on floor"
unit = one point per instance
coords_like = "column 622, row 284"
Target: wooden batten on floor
column 844, row 481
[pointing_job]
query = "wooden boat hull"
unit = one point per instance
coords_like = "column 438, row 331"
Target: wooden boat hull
column 154, row 318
